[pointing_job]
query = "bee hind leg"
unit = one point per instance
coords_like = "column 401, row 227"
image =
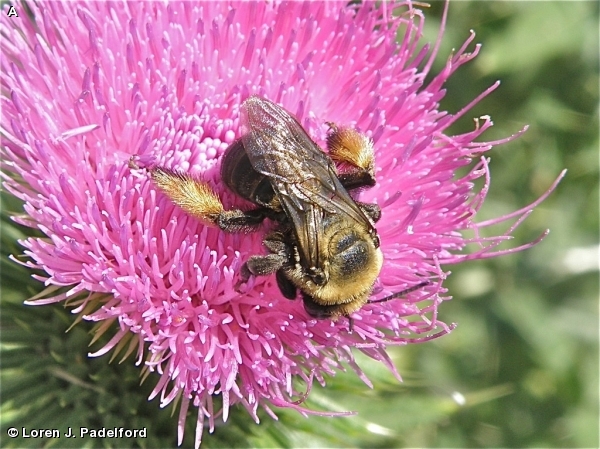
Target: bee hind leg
column 354, row 152
column 199, row 200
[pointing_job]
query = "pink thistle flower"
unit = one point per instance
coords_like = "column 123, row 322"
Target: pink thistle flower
column 86, row 86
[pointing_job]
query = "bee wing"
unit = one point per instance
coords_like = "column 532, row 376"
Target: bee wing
column 276, row 143
column 302, row 175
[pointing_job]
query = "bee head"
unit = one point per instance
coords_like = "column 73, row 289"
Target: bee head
column 352, row 261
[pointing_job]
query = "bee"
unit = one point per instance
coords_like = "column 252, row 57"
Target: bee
column 325, row 244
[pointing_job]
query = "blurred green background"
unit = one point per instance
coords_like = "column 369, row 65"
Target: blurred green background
column 520, row 370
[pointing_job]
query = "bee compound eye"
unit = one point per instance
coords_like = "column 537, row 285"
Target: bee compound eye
column 345, row 242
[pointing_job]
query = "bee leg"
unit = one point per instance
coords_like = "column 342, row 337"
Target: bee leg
column 287, row 289
column 356, row 179
column 240, row 221
column 269, row 264
column 348, row 146
column 264, row 265
column 199, row 200
column 373, row 211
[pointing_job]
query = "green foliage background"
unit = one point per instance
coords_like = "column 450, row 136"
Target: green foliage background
column 520, row 370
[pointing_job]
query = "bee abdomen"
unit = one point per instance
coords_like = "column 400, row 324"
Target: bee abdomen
column 241, row 178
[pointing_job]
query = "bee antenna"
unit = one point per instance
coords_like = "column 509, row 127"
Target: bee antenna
column 402, row 293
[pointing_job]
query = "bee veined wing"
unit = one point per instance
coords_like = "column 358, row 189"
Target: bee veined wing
column 301, row 174
column 276, row 143
column 279, row 148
